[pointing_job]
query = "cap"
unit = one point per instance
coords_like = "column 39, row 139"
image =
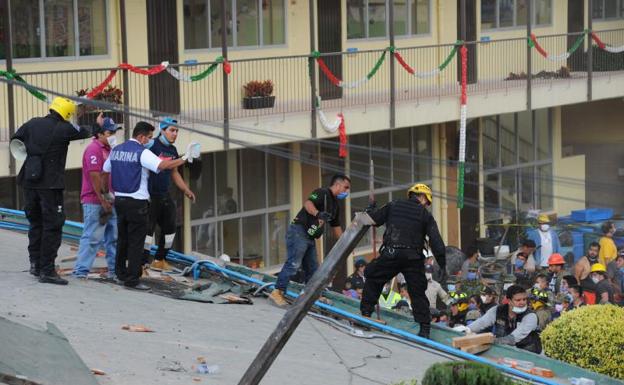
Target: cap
column 166, row 122
column 110, row 125
column 487, row 290
column 543, row 218
column 360, row 262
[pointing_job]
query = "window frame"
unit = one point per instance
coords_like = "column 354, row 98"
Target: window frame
column 235, row 46
column 76, row 57
column 408, row 35
column 515, row 18
column 619, row 8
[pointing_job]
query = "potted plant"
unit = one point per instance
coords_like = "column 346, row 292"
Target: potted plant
column 258, row 94
column 89, row 113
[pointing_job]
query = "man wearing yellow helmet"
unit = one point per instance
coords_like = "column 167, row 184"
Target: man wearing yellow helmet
column 546, row 241
column 42, row 177
column 604, row 290
column 408, row 223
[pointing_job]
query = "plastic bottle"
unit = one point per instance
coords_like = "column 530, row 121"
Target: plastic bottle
column 581, row 381
column 207, row 369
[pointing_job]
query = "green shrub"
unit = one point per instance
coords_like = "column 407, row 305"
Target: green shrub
column 591, row 337
column 464, row 373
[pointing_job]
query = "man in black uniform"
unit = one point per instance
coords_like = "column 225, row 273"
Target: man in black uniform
column 43, row 179
column 320, row 207
column 407, row 223
column 162, row 206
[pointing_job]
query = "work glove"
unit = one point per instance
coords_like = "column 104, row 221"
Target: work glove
column 372, row 206
column 324, row 216
column 193, row 151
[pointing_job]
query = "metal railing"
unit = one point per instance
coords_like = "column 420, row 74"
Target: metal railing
column 494, row 66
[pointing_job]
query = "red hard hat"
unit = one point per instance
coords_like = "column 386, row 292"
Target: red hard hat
column 556, row 259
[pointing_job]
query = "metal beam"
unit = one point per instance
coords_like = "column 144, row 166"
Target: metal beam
column 529, row 54
column 8, row 53
column 590, row 49
column 312, row 69
column 226, row 96
column 297, row 311
column 392, row 73
column 124, row 59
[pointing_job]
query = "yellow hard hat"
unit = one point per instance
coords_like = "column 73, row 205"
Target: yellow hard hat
column 64, row 107
column 421, row 188
column 598, row 268
column 543, row 218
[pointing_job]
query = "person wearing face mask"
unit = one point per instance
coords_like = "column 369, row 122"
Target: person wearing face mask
column 458, row 309
column 615, row 273
column 555, row 272
column 129, row 165
column 488, row 299
column 583, row 266
column 546, row 241
column 322, row 207
column 45, row 141
column 163, row 210
column 474, row 309
column 512, row 323
column 470, row 267
column 528, row 264
column 408, row 223
column 608, row 249
column 99, row 218
column 539, row 301
column 434, row 289
column 604, row 290
column 575, row 297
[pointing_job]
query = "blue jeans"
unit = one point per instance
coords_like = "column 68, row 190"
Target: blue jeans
column 301, row 252
column 95, row 236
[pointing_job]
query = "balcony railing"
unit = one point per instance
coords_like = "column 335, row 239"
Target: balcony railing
column 494, row 66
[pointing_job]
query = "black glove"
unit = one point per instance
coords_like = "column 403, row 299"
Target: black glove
column 324, row 216
column 372, row 206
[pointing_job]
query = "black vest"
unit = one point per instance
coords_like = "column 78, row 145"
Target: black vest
column 504, row 326
column 406, row 225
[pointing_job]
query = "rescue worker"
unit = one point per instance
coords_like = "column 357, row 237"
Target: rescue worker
column 407, row 222
column 539, row 303
column 42, row 178
column 129, row 165
column 162, row 207
column 459, row 308
column 488, row 299
column 555, row 272
column 512, row 323
column 357, row 278
column 546, row 241
column 321, row 207
column 388, row 298
column 604, row 290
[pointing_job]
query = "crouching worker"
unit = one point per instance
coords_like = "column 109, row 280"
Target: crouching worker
column 513, row 323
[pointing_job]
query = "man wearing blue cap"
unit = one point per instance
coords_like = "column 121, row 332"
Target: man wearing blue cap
column 162, row 207
column 100, row 221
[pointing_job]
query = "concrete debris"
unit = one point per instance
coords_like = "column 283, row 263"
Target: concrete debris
column 137, row 328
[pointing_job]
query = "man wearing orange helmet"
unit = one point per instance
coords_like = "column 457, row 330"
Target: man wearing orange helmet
column 408, row 223
column 555, row 272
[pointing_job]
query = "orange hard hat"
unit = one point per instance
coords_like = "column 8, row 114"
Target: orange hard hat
column 556, row 259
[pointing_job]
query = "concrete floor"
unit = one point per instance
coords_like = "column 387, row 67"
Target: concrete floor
column 91, row 314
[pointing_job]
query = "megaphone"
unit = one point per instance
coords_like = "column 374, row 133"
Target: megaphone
column 18, row 149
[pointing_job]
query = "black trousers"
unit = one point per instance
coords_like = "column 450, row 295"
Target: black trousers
column 45, row 211
column 162, row 214
column 132, row 222
column 388, row 265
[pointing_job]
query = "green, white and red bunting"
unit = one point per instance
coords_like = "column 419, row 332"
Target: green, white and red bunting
column 606, row 47
column 332, row 127
column 426, row 74
column 342, row 84
column 202, row 75
column 463, row 51
column 560, row 57
column 12, row 75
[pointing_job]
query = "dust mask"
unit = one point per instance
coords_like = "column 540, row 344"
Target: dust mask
column 112, row 141
column 519, row 310
column 428, row 276
column 545, row 227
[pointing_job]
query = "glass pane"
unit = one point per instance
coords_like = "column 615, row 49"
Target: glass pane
column 598, row 7
column 508, row 139
column 278, row 180
column 488, row 14
column 229, row 239
column 545, row 193
column 526, row 145
column 92, row 27
column 253, row 247
column 508, row 191
column 247, row 22
column 202, row 183
column 610, row 9
column 59, row 28
column 490, row 142
column 491, row 196
column 402, row 156
column 278, row 224
column 215, row 23
column 420, row 17
column 273, row 22
column 26, row 30
column 506, row 13
column 423, row 162
column 380, row 141
column 254, row 179
column 521, row 12
column 376, row 18
column 543, row 12
column 400, row 17
column 543, row 132
column 204, row 238
column 356, row 17
column 227, row 182
column 195, row 24
column 359, row 162
column 527, row 195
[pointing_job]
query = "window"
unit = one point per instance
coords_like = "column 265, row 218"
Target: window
column 513, row 13
column 258, row 23
column 517, row 160
column 608, row 9
column 68, row 28
column 369, row 18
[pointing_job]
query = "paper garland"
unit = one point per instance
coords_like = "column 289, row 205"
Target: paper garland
column 606, row 47
column 431, row 73
column 462, row 125
column 532, row 41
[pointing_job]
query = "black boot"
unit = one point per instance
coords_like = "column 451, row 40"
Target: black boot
column 425, row 330
column 34, row 270
column 53, row 278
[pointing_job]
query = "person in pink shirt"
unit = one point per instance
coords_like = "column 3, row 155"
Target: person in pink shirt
column 100, row 220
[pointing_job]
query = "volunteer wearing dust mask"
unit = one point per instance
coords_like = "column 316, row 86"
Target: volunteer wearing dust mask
column 546, row 241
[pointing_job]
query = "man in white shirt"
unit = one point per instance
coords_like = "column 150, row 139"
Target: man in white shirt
column 546, row 241
column 129, row 165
